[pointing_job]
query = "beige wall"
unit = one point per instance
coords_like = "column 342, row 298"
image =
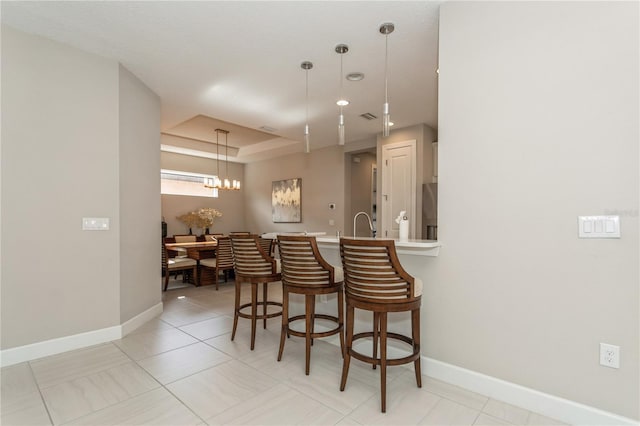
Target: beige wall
column 59, row 164
column 538, row 124
column 360, row 190
column 230, row 203
column 80, row 138
column 350, row 149
column 322, row 173
column 139, row 162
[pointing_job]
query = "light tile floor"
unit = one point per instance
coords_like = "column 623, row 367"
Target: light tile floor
column 183, row 369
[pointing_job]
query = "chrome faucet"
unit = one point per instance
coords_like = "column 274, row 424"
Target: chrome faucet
column 373, row 232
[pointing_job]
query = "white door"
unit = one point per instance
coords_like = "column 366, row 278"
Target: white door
column 398, row 186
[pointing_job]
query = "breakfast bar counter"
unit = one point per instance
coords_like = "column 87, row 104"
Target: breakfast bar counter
column 415, row 255
column 410, row 247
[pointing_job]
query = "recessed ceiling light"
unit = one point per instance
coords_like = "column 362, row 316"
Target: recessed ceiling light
column 355, row 76
column 342, row 102
column 391, row 123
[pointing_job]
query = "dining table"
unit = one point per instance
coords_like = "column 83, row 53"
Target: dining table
column 199, row 250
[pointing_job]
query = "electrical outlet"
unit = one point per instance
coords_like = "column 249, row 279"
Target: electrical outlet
column 609, row 355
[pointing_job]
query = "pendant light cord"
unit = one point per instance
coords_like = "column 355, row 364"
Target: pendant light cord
column 226, row 157
column 217, row 154
column 341, row 84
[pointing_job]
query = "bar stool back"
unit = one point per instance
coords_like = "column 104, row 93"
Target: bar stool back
column 375, row 281
column 305, row 272
column 268, row 245
column 253, row 265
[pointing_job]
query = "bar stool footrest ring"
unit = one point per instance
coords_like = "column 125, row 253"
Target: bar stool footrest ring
column 259, row 316
column 390, row 361
column 317, row 334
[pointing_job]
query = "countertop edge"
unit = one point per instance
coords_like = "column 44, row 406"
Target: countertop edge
column 411, row 247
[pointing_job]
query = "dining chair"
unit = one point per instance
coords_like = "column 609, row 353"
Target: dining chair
column 375, row 281
column 177, row 264
column 223, row 262
column 182, row 252
column 253, row 265
column 305, row 272
column 212, row 237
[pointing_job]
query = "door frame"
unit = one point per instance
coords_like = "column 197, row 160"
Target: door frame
column 383, row 221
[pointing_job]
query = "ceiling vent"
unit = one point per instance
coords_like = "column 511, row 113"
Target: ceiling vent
column 368, row 116
column 267, row 129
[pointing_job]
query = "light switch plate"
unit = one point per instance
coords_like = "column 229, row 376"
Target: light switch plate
column 95, row 223
column 599, row 226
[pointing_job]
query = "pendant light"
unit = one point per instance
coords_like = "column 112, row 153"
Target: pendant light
column 235, row 184
column 341, row 49
column 386, row 29
column 306, row 65
column 214, row 182
column 227, row 183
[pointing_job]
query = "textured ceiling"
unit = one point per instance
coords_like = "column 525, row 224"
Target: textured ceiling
column 239, row 62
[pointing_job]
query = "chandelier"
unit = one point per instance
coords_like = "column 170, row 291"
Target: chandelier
column 215, row 182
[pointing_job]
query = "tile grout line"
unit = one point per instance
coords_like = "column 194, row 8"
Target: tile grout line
column 233, row 357
column 44, row 403
column 285, row 382
column 162, row 385
column 135, row 362
column 277, row 379
column 131, row 397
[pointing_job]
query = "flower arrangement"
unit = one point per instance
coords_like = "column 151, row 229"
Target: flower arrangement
column 203, row 218
column 207, row 217
column 189, row 219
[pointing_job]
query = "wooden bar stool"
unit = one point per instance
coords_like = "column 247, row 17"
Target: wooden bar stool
column 253, row 265
column 375, row 281
column 305, row 272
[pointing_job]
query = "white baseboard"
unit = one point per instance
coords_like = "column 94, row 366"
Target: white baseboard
column 55, row 346
column 77, row 341
column 548, row 405
column 141, row 319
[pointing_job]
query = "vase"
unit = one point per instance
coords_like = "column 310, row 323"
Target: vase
column 190, row 233
column 206, row 231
